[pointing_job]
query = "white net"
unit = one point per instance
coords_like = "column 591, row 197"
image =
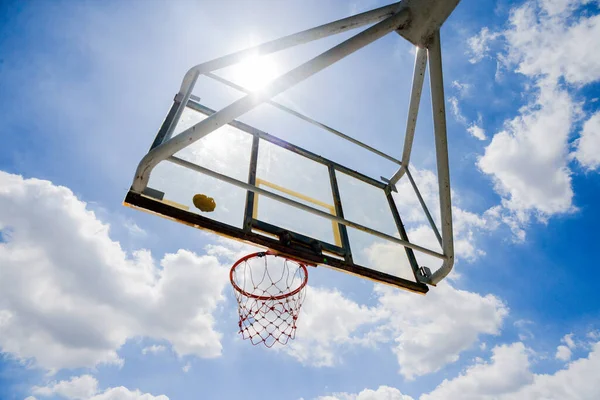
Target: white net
column 270, row 291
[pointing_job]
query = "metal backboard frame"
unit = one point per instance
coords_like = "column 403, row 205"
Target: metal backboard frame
column 419, row 22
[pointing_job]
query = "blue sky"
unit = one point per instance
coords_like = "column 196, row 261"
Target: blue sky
column 98, row 301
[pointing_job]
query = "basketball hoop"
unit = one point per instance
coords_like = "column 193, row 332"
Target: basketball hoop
column 269, row 290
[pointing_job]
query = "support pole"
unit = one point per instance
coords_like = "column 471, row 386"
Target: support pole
column 441, row 151
column 413, row 111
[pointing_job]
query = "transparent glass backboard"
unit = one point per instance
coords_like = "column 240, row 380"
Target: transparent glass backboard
column 246, row 155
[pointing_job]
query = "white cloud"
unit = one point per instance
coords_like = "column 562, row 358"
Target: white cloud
column 568, row 340
column 508, row 376
column 476, row 131
column 122, row 393
column 186, row 368
column 508, row 370
column 545, row 41
column 463, row 88
column 382, row 393
column 474, row 128
column 154, row 349
column 85, row 387
column 523, row 329
column 466, row 224
column 594, row 335
column 328, row 325
column 456, row 112
column 431, row 331
column 528, row 160
column 588, row 144
column 479, row 45
column 134, row 229
column 563, row 353
column 577, row 381
column 79, row 387
column 71, row 296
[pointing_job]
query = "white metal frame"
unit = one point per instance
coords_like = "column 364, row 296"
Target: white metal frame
column 419, row 22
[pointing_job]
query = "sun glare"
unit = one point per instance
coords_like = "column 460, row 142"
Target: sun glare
column 255, row 72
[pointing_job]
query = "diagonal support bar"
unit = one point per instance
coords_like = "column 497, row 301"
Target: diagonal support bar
column 424, row 207
column 413, row 111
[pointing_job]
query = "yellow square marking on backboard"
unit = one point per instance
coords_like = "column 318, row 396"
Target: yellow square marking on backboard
column 334, row 225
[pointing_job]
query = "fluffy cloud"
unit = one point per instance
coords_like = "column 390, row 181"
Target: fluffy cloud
column 430, row 332
column 456, row 112
column 382, row 393
column 479, row 45
column 568, row 340
column 154, row 349
column 507, row 375
column 474, row 128
column 588, row 144
column 563, row 353
column 85, row 387
column 79, row 387
column 528, row 160
column 329, row 325
column 507, row 371
column 476, row 131
column 577, row 381
column 71, row 296
column 544, row 40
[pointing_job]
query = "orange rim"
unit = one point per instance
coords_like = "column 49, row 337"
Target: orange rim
column 264, row 298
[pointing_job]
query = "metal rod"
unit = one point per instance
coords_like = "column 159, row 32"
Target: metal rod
column 301, row 206
column 339, row 211
column 424, row 206
column 276, row 87
column 412, row 260
column 413, row 111
column 250, row 198
column 305, row 118
column 441, row 151
column 162, row 132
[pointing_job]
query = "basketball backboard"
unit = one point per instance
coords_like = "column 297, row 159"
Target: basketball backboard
column 275, row 194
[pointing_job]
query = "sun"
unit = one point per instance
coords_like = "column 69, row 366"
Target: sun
column 255, row 72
